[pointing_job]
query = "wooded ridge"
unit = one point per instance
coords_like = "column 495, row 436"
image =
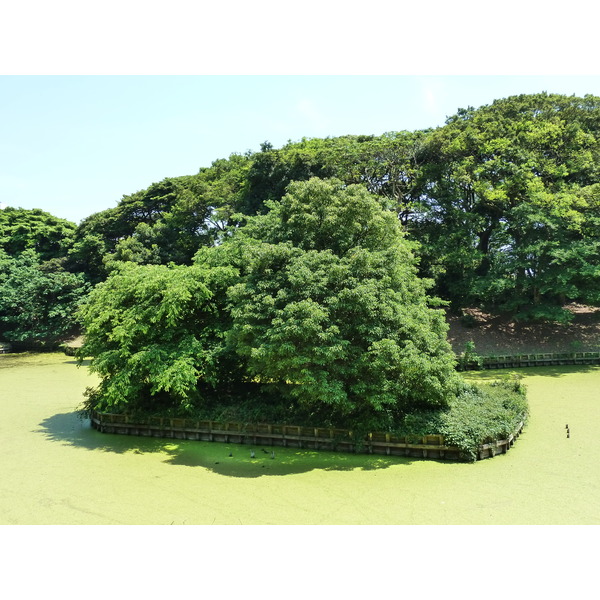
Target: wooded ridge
column 319, row 268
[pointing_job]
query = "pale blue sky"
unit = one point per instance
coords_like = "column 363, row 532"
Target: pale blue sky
column 74, row 145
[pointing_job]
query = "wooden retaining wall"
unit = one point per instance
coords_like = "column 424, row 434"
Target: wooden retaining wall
column 541, row 360
column 18, row 347
column 315, row 438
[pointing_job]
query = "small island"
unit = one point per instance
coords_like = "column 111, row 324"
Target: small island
column 310, row 285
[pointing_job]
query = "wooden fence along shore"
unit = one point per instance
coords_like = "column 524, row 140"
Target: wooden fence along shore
column 486, row 362
column 540, row 360
column 315, row 438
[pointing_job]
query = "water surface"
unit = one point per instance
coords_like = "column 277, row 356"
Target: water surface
column 55, row 469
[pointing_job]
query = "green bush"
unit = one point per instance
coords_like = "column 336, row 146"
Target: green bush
column 478, row 415
column 469, row 359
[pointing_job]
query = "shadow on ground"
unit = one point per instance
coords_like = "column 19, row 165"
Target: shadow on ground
column 232, row 460
column 501, row 334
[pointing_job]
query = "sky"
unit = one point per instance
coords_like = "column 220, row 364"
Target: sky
column 74, row 145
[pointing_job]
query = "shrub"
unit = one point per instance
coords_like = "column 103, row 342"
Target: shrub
column 483, row 414
column 478, row 415
column 469, row 359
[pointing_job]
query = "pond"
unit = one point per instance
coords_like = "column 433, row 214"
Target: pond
column 57, row 470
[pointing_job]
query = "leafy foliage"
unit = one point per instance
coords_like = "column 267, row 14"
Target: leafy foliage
column 155, row 331
column 478, row 415
column 331, row 309
column 317, row 300
column 22, row 229
column 483, row 414
column 38, row 300
column 511, row 195
column 469, row 359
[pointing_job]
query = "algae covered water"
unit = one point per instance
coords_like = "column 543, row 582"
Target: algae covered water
column 55, row 469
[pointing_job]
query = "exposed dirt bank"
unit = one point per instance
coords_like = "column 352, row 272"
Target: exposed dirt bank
column 500, row 334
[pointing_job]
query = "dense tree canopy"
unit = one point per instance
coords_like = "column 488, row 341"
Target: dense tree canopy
column 155, row 333
column 38, row 300
column 319, row 297
column 33, row 229
column 330, row 303
column 510, row 204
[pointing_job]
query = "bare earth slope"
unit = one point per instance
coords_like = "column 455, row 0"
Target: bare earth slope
column 499, row 334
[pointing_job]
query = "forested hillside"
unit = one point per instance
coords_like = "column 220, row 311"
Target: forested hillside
column 502, row 202
column 260, row 265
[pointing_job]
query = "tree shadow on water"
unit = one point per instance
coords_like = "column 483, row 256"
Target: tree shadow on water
column 230, row 460
column 73, row 430
column 84, row 363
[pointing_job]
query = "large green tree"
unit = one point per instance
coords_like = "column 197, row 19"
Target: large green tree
column 156, row 335
column 34, row 229
column 510, row 203
column 330, row 307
